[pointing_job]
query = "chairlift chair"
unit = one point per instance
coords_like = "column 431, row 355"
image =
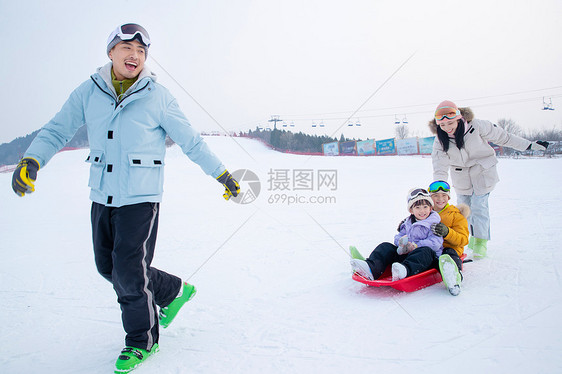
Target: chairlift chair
column 396, row 120
column 405, row 120
column 547, row 106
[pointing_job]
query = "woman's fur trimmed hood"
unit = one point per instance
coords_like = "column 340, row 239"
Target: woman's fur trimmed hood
column 467, row 114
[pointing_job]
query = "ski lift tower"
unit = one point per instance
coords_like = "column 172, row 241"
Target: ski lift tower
column 275, row 119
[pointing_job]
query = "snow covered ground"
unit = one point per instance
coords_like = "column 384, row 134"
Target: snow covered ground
column 275, row 289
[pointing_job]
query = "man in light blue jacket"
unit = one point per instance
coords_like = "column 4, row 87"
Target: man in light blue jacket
column 128, row 116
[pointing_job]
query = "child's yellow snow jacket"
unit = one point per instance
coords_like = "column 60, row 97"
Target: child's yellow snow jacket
column 455, row 219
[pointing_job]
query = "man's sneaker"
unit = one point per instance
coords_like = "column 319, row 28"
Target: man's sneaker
column 355, row 253
column 131, row 357
column 399, row 271
column 450, row 274
column 168, row 313
column 362, row 268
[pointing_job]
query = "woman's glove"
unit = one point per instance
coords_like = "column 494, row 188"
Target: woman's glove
column 539, row 145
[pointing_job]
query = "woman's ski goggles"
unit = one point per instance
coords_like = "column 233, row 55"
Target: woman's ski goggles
column 439, row 186
column 418, row 192
column 129, row 31
column 447, row 112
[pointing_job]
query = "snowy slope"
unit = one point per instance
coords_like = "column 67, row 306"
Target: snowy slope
column 275, row 290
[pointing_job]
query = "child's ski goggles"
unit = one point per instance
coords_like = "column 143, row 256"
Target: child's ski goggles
column 448, row 113
column 128, row 32
column 418, row 192
column 439, row 186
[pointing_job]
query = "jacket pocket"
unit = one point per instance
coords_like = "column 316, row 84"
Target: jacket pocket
column 461, row 178
column 484, row 178
column 146, row 174
column 97, row 165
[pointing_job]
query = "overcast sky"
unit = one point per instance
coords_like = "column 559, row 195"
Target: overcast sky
column 305, row 60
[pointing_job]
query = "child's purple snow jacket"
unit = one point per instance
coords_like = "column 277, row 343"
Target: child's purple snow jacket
column 420, row 233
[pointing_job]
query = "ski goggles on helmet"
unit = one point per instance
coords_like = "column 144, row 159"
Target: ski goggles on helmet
column 439, row 186
column 130, row 31
column 446, row 112
column 418, row 192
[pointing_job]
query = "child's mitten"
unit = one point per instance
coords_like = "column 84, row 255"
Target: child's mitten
column 402, row 242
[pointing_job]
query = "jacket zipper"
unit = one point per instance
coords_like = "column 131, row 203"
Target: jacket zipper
column 132, row 93
column 110, row 95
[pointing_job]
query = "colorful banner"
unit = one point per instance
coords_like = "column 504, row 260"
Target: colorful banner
column 330, row 149
column 385, row 147
column 407, row 146
column 366, row 147
column 348, row 148
column 426, row 145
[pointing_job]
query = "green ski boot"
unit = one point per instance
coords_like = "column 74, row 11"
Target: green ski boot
column 480, row 248
column 131, row 357
column 450, row 274
column 355, row 253
column 471, row 242
column 168, row 313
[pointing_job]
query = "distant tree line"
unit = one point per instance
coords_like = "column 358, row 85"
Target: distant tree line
column 287, row 140
column 552, row 135
column 11, row 153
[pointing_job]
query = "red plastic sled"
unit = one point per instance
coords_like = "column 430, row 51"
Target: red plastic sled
column 409, row 284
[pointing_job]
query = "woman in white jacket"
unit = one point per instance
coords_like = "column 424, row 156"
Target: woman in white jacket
column 461, row 147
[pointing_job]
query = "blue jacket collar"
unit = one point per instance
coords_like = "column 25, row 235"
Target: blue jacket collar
column 105, row 73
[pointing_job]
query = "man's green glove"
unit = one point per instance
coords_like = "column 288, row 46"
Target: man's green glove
column 231, row 186
column 24, row 176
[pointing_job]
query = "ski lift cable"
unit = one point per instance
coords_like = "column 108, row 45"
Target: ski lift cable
column 425, row 111
column 375, row 92
column 201, row 106
column 427, row 104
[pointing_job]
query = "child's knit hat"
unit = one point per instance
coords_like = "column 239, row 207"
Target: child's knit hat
column 418, row 194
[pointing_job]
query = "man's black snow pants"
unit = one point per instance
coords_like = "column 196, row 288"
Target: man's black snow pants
column 124, row 240
column 420, row 259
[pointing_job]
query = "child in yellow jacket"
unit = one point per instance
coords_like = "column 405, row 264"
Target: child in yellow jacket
column 454, row 230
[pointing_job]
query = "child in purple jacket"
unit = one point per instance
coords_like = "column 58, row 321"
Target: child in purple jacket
column 415, row 248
